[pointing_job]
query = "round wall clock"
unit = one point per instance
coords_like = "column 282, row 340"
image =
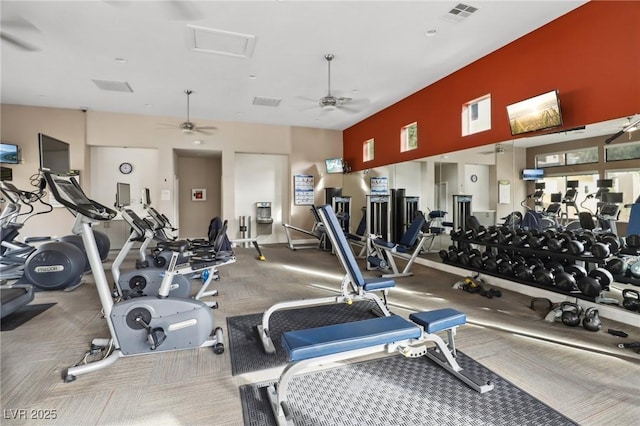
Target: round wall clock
column 474, row 178
column 126, row 168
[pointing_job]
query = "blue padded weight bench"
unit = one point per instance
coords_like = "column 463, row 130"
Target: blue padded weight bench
column 354, row 287
column 392, row 334
column 383, row 252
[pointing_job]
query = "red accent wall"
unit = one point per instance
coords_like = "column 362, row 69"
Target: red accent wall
column 590, row 55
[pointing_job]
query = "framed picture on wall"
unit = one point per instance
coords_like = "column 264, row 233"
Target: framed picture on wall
column 198, row 194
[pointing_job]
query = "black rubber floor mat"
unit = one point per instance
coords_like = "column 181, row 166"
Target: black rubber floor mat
column 247, row 353
column 400, row 391
column 22, row 315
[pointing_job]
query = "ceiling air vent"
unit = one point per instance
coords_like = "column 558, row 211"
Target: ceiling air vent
column 460, row 12
column 220, row 42
column 264, row 101
column 113, row 86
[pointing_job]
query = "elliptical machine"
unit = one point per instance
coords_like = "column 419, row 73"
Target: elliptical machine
column 53, row 265
column 137, row 326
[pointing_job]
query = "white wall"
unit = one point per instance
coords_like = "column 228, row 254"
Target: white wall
column 104, row 172
column 260, row 178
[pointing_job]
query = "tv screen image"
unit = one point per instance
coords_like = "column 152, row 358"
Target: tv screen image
column 537, row 113
column 54, row 154
column 334, row 165
column 532, row 174
column 9, row 153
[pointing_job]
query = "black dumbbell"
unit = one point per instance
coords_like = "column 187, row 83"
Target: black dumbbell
column 492, row 263
column 545, row 275
column 465, row 257
column 631, row 299
column 633, row 241
column 456, row 233
column 560, row 241
column 609, row 244
column 521, row 238
column 454, row 253
column 538, row 241
column 474, row 235
column 618, row 266
column 598, row 280
column 581, row 243
column 567, row 280
column 524, row 272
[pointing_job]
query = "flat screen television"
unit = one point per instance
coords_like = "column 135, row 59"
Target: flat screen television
column 146, row 196
column 54, row 154
column 537, row 113
column 9, row 153
column 573, row 183
column 123, row 194
column 334, row 165
column 532, row 174
column 604, row 183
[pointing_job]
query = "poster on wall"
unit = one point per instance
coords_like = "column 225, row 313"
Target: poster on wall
column 303, row 190
column 198, row 194
column 379, row 185
column 504, row 192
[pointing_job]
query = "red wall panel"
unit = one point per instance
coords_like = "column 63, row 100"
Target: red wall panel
column 590, row 55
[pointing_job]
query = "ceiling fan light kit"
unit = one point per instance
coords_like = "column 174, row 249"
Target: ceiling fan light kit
column 330, row 102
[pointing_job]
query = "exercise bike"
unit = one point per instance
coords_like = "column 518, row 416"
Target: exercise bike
column 137, row 326
column 52, row 265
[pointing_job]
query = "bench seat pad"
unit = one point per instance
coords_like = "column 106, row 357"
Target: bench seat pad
column 386, row 244
column 332, row 339
column 439, row 319
column 377, row 283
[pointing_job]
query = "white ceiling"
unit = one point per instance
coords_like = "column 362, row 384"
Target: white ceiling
column 382, row 54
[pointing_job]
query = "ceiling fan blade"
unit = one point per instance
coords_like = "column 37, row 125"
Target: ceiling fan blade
column 206, row 127
column 20, row 44
column 348, row 109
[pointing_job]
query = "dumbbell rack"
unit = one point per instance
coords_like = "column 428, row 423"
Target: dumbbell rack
column 523, row 250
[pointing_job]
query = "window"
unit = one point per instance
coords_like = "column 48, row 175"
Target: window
column 628, row 151
column 627, row 182
column 409, row 137
column 586, row 186
column 476, row 115
column 583, row 156
column 549, row 160
column 368, row 150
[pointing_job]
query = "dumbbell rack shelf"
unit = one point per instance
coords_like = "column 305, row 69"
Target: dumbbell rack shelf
column 523, row 250
column 626, row 280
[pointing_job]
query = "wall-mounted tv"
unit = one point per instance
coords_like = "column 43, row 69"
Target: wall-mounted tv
column 334, row 165
column 532, row 174
column 9, row 153
column 123, row 194
column 537, row 113
column 604, row 183
column 54, row 154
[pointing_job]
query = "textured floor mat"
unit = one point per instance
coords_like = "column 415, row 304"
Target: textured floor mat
column 400, row 391
column 22, row 315
column 246, row 350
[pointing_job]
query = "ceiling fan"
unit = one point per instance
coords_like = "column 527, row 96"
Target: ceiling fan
column 188, row 126
column 632, row 125
column 330, row 102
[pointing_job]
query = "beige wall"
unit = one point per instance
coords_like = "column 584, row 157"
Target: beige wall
column 21, row 125
column 307, row 148
column 203, row 173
